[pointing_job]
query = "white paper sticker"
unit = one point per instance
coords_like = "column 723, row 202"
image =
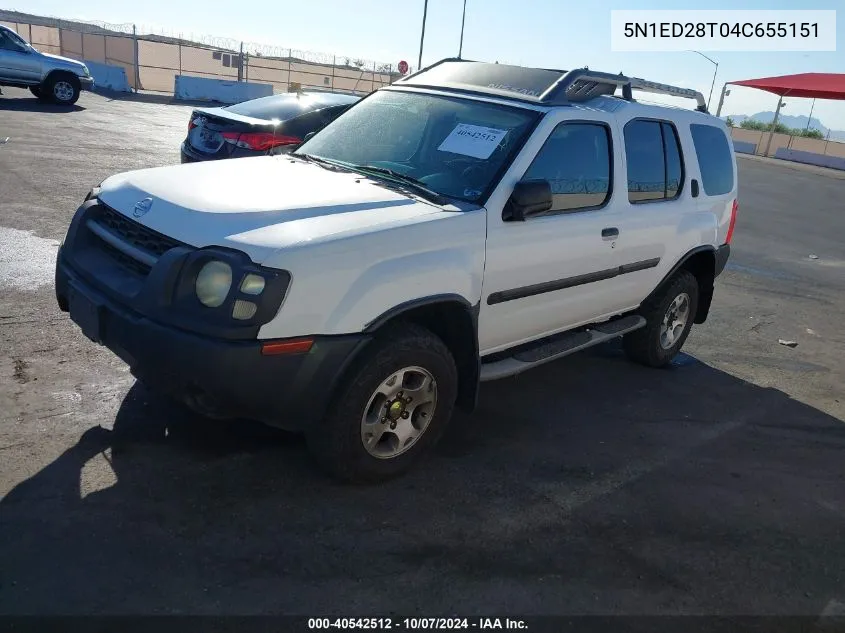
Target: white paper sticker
column 472, row 140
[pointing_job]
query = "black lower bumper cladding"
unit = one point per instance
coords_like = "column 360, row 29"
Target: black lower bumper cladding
column 215, row 372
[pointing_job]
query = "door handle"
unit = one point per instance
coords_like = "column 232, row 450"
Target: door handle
column 610, row 233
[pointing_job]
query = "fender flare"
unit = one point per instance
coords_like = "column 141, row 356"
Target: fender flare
column 706, row 292
column 413, row 304
column 469, row 363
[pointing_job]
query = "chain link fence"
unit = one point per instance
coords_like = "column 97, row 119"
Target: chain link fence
column 152, row 58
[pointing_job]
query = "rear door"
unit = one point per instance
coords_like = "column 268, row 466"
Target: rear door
column 655, row 207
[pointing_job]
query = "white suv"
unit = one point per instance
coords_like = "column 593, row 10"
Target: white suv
column 467, row 223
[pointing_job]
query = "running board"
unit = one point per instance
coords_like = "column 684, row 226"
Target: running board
column 559, row 346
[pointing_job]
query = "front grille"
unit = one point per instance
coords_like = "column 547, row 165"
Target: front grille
column 139, row 268
column 139, row 236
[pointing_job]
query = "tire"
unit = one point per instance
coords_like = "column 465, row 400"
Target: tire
column 62, row 88
column 647, row 345
column 337, row 443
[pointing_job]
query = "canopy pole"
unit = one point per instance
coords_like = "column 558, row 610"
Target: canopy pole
column 721, row 99
column 810, row 118
column 774, row 125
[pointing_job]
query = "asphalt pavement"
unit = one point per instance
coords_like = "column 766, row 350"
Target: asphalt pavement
column 588, row 485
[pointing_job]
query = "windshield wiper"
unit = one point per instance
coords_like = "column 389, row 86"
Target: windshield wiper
column 414, row 183
column 321, row 161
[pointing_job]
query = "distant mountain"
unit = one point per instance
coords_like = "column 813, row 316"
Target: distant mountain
column 790, row 120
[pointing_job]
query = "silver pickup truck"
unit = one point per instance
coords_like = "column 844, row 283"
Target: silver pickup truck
column 49, row 77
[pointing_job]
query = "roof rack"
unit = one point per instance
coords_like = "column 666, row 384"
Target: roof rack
column 583, row 84
column 538, row 85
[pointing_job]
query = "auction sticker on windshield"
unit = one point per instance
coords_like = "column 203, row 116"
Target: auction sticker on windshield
column 472, row 140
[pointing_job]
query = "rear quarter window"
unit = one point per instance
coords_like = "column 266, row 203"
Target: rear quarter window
column 715, row 159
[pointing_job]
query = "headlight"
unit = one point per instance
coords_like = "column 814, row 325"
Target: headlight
column 213, row 283
column 86, row 71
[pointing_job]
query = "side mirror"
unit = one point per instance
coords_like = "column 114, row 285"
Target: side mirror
column 529, row 197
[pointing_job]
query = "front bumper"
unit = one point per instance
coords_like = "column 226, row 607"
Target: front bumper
column 86, row 83
column 212, row 372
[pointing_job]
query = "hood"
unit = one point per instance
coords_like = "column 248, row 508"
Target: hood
column 65, row 60
column 260, row 204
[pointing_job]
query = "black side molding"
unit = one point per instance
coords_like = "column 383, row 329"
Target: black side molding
column 569, row 282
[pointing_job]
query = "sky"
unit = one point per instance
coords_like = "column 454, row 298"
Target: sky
column 546, row 33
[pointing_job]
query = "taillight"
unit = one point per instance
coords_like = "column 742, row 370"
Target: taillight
column 259, row 141
column 734, row 209
column 191, row 124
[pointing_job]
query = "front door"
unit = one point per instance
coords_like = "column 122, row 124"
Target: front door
column 557, row 270
column 18, row 62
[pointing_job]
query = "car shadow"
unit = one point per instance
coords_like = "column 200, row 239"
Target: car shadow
column 31, row 104
column 588, row 485
column 163, row 98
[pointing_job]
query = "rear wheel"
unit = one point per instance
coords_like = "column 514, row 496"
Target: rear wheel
column 392, row 408
column 669, row 317
column 63, row 88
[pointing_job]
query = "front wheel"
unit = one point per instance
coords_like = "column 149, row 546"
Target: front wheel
column 669, row 317
column 392, row 408
column 62, row 88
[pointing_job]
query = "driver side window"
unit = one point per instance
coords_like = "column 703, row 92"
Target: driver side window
column 10, row 43
column 575, row 159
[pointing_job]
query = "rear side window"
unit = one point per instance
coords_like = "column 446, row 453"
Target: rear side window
column 303, row 124
column 674, row 165
column 714, row 159
column 576, row 161
column 655, row 164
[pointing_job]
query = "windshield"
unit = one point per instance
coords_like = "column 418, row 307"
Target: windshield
column 455, row 147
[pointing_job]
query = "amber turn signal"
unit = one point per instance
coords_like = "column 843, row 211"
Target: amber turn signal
column 294, row 346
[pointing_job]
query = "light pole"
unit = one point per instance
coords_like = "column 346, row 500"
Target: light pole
column 422, row 35
column 463, row 20
column 715, row 63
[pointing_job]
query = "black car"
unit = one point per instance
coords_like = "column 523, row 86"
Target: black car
column 269, row 125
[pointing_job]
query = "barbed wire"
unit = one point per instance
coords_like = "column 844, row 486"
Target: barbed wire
column 105, row 26
column 257, row 49
column 228, row 44
column 579, row 185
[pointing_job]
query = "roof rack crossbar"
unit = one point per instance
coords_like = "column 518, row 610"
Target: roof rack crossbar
column 582, row 84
